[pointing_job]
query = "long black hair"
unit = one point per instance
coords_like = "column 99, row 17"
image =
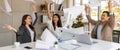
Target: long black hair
column 59, row 24
column 24, row 23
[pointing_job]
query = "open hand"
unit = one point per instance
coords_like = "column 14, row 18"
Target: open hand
column 109, row 5
column 6, row 26
column 87, row 9
column 34, row 7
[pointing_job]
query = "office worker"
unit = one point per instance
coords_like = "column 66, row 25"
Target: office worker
column 53, row 22
column 103, row 28
column 26, row 32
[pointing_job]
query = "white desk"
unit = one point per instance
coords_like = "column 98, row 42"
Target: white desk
column 101, row 45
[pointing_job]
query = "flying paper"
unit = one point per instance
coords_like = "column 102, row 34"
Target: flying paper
column 5, row 11
column 116, row 2
column 94, row 3
column 31, row 1
column 58, row 1
column 55, row 1
column 7, row 6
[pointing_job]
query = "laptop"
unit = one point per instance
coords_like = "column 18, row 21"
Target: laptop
column 80, row 37
column 84, row 38
column 67, row 36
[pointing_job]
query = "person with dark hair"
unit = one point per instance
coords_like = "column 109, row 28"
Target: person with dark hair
column 26, row 32
column 53, row 22
column 103, row 29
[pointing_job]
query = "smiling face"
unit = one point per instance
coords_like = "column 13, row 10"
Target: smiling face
column 55, row 19
column 105, row 17
column 28, row 20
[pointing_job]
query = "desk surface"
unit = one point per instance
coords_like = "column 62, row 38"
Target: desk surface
column 100, row 45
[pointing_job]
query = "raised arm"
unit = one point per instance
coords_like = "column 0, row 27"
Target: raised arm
column 112, row 16
column 48, row 11
column 9, row 27
column 18, row 32
column 87, row 11
column 35, row 12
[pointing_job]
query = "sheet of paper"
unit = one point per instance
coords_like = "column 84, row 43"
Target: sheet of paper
column 94, row 3
column 116, row 2
column 60, row 1
column 31, row 1
column 41, row 45
column 69, row 46
column 48, row 37
column 7, row 6
column 71, row 41
column 7, row 13
column 55, row 1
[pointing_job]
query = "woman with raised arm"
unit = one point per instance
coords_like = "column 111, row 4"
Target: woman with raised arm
column 26, row 32
column 54, row 21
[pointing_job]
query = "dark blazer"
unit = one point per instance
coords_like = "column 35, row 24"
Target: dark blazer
column 23, row 34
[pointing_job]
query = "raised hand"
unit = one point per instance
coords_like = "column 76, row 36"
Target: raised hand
column 6, row 26
column 46, row 3
column 110, row 5
column 9, row 27
column 87, row 9
column 34, row 7
column 48, row 11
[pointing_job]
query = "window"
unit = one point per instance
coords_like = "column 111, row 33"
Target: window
column 94, row 13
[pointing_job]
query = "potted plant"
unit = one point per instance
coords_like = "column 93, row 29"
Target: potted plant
column 78, row 22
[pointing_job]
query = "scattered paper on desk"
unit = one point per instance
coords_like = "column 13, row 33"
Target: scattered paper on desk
column 48, row 37
column 69, row 46
column 70, row 41
column 55, row 1
column 41, row 45
column 47, row 40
